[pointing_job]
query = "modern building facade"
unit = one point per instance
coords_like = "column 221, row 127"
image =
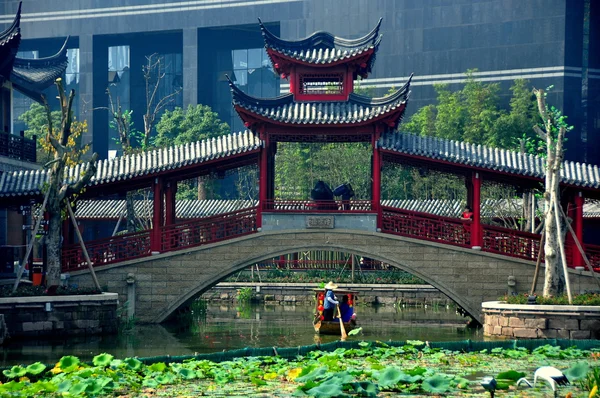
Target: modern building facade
column 549, row 42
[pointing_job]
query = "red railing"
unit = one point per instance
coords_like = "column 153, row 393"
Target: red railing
column 318, row 206
column 593, row 254
column 425, row 226
column 106, row 251
column 510, row 242
column 208, row 230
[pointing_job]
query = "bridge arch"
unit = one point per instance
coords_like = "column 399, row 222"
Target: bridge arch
column 167, row 281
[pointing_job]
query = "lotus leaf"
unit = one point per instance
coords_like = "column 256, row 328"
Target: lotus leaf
column 43, row 386
column 36, row 368
column 436, row 384
column 365, row 389
column 391, row 376
column 510, row 375
column 132, row 364
column 158, row 367
column 577, row 371
column 258, row 381
column 166, row 378
column 418, row 371
column 151, row 383
column 65, row 386
column 68, row 363
column 15, row 371
column 12, row 386
column 102, row 360
column 318, row 373
column 187, row 374
column 327, row 390
column 354, row 332
column 78, row 389
column 416, row 343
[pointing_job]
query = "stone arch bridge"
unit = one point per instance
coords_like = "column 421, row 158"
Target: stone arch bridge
column 168, row 281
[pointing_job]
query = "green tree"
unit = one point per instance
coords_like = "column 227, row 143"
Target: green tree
column 193, row 124
column 37, row 125
column 190, row 125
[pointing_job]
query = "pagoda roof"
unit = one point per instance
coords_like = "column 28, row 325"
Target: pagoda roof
column 357, row 110
column 32, row 76
column 322, row 48
column 9, row 45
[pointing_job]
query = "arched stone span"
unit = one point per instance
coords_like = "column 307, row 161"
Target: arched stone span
column 167, row 281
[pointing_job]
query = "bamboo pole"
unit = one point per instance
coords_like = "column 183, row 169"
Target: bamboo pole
column 82, row 244
column 118, row 224
column 561, row 246
column 30, row 246
column 537, row 263
column 580, row 248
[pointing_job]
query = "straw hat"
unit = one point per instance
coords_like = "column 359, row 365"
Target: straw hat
column 331, row 286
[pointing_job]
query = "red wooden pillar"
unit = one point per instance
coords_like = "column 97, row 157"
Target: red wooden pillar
column 263, row 178
column 170, row 192
column 476, row 231
column 578, row 221
column 157, row 215
column 376, row 178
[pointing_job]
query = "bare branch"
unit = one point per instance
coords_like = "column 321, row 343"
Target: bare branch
column 541, row 102
column 540, row 133
column 82, row 182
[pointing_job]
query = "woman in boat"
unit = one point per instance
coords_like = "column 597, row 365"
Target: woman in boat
column 330, row 302
column 345, row 309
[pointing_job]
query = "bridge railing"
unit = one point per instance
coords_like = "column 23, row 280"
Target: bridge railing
column 305, row 264
column 426, row 226
column 312, row 206
column 208, row 230
column 107, row 251
column 510, row 242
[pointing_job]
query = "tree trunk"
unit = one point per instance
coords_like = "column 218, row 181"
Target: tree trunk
column 130, row 212
column 201, row 189
column 53, row 247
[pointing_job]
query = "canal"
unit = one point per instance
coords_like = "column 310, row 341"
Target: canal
column 225, row 327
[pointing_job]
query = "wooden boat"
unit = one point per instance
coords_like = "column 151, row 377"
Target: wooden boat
column 333, row 327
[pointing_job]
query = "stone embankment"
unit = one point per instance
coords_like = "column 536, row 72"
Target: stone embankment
column 541, row 321
column 60, row 315
column 303, row 293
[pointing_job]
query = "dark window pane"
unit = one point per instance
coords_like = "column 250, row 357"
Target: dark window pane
column 240, row 78
column 269, row 84
column 254, row 79
column 266, row 61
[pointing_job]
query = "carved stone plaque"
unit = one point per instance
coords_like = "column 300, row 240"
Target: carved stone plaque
column 323, row 222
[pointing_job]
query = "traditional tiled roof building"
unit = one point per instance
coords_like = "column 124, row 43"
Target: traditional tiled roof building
column 321, row 105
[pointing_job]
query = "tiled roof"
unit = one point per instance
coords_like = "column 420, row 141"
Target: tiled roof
column 9, row 45
column 572, row 173
column 126, row 167
column 184, row 209
column 356, row 110
column 32, row 76
column 323, row 48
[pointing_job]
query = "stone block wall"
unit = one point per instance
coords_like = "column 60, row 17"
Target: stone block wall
column 300, row 293
column 60, row 315
column 568, row 322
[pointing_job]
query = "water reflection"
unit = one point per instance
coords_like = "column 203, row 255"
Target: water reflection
column 225, row 327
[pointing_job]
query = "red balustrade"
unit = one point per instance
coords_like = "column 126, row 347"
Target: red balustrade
column 510, row 242
column 593, row 254
column 107, row 251
column 208, row 230
column 321, row 264
column 426, row 226
column 318, row 206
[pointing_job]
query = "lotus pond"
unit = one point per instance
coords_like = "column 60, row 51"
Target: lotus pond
column 365, row 369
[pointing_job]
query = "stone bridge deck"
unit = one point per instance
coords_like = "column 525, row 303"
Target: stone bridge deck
column 167, row 281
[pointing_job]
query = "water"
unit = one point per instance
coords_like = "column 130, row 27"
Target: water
column 226, row 327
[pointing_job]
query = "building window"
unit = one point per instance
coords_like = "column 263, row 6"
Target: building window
column 172, row 81
column 119, row 76
column 251, row 70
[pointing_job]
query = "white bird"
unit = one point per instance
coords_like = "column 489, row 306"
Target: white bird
column 553, row 376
